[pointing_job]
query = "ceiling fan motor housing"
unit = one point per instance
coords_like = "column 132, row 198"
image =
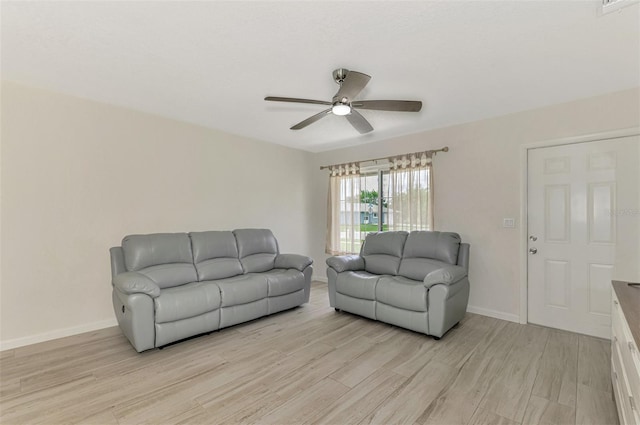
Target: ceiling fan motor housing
column 340, row 74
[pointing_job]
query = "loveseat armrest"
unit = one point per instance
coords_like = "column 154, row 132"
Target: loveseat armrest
column 343, row 263
column 447, row 275
column 292, row 261
column 136, row 283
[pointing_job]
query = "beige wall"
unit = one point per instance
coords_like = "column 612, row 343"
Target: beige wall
column 477, row 184
column 78, row 175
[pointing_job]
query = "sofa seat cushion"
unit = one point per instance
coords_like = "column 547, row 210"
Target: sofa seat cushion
column 357, row 284
column 283, row 281
column 419, row 268
column 185, row 301
column 401, row 292
column 242, row 289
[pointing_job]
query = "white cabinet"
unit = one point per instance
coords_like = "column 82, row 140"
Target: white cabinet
column 625, row 361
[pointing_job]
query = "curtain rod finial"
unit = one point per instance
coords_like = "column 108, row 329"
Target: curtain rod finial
column 445, row 149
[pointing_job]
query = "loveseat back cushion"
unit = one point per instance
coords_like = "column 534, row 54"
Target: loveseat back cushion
column 215, row 255
column 163, row 257
column 426, row 251
column 257, row 249
column 443, row 246
column 382, row 252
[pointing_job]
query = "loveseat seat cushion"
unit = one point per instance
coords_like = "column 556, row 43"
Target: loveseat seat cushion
column 190, row 300
column 242, row 289
column 382, row 252
column 257, row 249
column 400, row 292
column 215, row 254
column 163, row 257
column 358, row 284
column 283, row 281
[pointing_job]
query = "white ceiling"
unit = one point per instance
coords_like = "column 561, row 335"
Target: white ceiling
column 212, row 63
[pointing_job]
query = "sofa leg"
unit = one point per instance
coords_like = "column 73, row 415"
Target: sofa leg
column 437, row 338
column 456, row 325
column 337, row 309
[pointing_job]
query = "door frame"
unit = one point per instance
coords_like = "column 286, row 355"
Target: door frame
column 524, row 176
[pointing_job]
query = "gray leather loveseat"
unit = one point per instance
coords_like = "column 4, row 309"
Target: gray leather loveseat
column 414, row 280
column 170, row 286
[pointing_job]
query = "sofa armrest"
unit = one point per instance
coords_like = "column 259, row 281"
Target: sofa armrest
column 343, row 263
column 292, row 261
column 136, row 283
column 446, row 275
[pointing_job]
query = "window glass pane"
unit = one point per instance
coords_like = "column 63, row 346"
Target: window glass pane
column 368, row 204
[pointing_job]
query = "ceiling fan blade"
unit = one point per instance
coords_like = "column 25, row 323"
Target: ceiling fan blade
column 311, row 119
column 352, row 85
column 359, row 122
column 389, row 105
column 296, row 100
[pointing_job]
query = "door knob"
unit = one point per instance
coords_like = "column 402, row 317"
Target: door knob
column 533, row 238
column 533, row 250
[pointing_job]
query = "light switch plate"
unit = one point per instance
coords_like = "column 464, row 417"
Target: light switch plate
column 509, row 222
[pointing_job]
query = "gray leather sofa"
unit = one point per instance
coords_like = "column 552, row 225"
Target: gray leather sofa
column 170, row 286
column 414, row 280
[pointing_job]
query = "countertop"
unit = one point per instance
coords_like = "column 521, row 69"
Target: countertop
column 629, row 297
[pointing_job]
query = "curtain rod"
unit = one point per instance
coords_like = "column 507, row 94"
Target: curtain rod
column 445, row 149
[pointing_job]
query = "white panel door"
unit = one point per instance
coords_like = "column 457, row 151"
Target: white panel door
column 583, row 206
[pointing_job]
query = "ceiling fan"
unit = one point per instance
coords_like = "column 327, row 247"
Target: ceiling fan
column 344, row 103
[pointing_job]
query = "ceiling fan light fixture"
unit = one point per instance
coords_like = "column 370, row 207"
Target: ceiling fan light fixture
column 341, row 108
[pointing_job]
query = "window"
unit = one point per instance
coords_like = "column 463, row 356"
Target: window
column 395, row 196
column 371, row 201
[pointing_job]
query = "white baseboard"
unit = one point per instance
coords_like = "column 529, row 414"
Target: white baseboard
column 58, row 333
column 319, row 279
column 494, row 313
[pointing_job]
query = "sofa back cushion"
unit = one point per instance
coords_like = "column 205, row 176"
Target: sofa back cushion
column 426, row 251
column 382, row 252
column 215, row 255
column 163, row 257
column 257, row 249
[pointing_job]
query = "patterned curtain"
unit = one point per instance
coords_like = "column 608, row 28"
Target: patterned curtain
column 411, row 193
column 343, row 210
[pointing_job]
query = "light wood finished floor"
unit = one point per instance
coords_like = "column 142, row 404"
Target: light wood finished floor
column 312, row 365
